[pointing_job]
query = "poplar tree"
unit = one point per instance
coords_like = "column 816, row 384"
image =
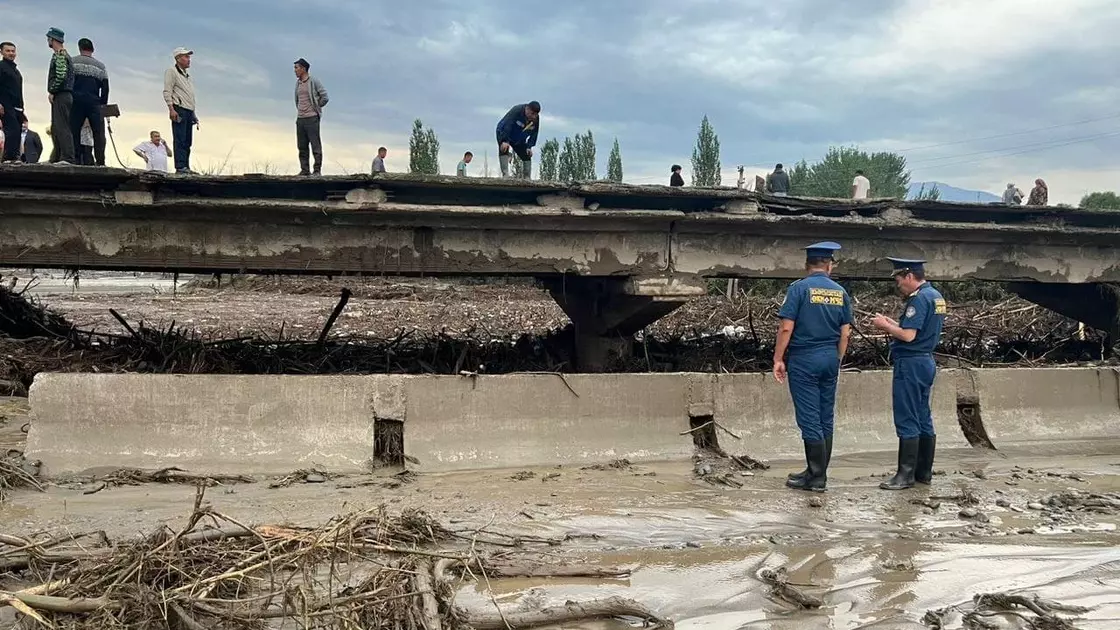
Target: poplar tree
column 705, row 156
column 614, row 163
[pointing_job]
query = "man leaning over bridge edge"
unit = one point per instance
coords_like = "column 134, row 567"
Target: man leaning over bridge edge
column 816, row 320
column 517, row 132
column 913, row 339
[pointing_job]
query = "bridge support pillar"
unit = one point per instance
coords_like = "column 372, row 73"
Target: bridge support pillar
column 607, row 311
column 1094, row 304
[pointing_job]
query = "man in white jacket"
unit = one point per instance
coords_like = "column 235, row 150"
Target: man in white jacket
column 311, row 97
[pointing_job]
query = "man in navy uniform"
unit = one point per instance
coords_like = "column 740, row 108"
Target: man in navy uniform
column 816, row 321
column 913, row 339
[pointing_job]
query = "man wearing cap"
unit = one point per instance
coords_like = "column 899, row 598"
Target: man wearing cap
column 91, row 92
column 816, row 319
column 913, row 339
column 517, row 132
column 311, row 97
column 178, row 93
column 60, row 93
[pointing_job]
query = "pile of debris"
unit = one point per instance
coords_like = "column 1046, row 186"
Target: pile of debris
column 365, row 570
column 711, row 334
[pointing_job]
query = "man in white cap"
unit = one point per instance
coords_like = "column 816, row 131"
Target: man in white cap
column 178, row 93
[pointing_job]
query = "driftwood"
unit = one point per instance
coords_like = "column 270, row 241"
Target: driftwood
column 503, row 570
column 236, row 577
column 989, row 604
column 780, row 587
column 611, row 607
column 136, row 476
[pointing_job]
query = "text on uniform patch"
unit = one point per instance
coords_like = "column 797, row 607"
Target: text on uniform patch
column 831, row 297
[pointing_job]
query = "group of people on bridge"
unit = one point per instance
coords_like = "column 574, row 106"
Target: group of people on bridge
column 816, row 321
column 78, row 92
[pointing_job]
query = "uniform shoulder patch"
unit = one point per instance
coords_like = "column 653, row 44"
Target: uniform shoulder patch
column 911, row 311
column 940, row 307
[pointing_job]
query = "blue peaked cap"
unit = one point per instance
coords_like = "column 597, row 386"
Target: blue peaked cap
column 905, row 265
column 824, row 249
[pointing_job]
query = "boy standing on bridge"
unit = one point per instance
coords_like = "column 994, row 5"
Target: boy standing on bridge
column 816, row 320
column 517, row 132
column 913, row 339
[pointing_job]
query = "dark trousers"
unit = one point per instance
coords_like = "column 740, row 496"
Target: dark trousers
column 62, row 133
column 307, row 134
column 910, row 390
column 85, row 155
column 12, row 130
column 182, row 135
column 89, row 109
column 812, row 385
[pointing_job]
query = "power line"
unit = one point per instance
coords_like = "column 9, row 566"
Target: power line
column 1022, row 146
column 1008, row 135
column 1054, row 146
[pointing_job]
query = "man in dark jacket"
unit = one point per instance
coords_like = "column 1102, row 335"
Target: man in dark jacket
column 11, row 100
column 777, row 183
column 91, row 92
column 32, row 145
column 60, row 92
column 517, row 132
column 675, row 179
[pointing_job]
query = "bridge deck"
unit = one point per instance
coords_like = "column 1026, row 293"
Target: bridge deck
column 99, row 218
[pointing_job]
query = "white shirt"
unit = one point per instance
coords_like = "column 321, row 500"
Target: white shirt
column 863, row 187
column 156, row 155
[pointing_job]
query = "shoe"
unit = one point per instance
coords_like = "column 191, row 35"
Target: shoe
column 316, row 173
column 305, row 174
column 907, row 463
column 923, row 471
column 62, row 163
column 816, row 455
column 827, row 460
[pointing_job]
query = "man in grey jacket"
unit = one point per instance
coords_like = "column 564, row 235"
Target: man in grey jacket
column 311, row 97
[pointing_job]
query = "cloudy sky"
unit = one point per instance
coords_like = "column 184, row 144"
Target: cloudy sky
column 976, row 94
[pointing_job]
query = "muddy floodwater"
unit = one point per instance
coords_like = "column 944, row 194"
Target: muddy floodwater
column 1019, row 520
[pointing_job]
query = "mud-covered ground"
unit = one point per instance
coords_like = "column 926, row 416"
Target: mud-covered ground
column 1037, row 520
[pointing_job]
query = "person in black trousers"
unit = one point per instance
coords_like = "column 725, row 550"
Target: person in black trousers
column 60, row 92
column 91, row 92
column 11, row 101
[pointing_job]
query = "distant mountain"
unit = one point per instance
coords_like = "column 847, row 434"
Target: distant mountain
column 952, row 193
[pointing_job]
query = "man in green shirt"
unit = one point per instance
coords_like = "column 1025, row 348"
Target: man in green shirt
column 60, row 93
column 461, row 169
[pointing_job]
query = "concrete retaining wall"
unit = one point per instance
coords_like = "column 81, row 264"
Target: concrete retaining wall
column 275, row 424
column 1049, row 403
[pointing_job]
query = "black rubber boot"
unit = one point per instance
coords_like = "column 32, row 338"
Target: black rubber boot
column 800, row 476
column 816, row 454
column 907, row 463
column 923, row 472
column 827, row 460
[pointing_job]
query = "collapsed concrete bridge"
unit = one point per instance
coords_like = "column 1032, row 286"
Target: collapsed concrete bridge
column 615, row 257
